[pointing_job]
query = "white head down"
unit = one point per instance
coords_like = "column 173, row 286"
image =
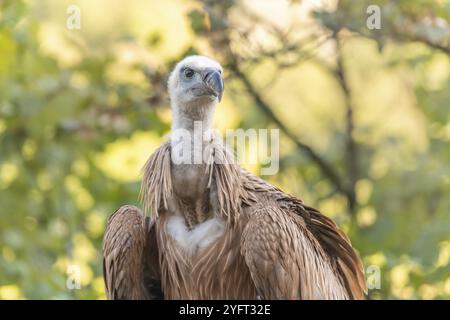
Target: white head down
column 195, row 87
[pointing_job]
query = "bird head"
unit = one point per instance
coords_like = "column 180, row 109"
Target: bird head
column 195, row 82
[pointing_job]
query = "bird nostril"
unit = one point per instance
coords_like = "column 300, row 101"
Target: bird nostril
column 207, row 76
column 213, row 79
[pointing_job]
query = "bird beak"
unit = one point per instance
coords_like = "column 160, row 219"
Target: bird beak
column 213, row 80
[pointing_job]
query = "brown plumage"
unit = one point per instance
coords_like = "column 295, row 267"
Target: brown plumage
column 223, row 233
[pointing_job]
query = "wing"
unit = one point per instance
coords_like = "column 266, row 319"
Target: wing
column 130, row 256
column 285, row 260
column 338, row 248
column 295, row 252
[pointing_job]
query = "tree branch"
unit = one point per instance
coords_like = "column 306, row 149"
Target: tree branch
column 351, row 146
column 327, row 170
column 434, row 45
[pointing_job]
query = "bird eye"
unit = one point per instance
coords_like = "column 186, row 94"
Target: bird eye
column 189, row 73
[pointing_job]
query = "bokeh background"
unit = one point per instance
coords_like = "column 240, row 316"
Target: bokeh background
column 364, row 118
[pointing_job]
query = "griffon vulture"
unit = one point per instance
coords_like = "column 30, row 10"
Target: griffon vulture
column 216, row 231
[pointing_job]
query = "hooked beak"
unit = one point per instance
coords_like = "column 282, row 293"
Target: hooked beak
column 214, row 81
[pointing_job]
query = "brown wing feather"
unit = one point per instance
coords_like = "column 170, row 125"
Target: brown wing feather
column 339, row 249
column 285, row 259
column 130, row 263
column 286, row 238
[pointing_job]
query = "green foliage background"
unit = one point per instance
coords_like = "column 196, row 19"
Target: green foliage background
column 81, row 110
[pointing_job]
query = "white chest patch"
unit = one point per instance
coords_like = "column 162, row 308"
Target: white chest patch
column 199, row 237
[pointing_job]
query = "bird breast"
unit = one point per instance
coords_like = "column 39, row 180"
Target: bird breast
column 200, row 236
column 189, row 180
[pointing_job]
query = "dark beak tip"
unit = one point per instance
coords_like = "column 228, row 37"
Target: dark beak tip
column 214, row 80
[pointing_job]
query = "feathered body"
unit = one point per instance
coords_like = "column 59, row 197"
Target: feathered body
column 218, row 232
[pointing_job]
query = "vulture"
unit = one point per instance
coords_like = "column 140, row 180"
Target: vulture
column 210, row 229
